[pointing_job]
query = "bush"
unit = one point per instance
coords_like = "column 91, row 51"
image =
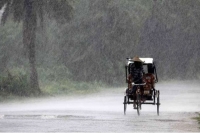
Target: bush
column 198, row 119
column 53, row 81
column 58, row 81
column 16, row 84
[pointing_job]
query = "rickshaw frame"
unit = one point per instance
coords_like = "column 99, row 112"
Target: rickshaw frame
column 155, row 94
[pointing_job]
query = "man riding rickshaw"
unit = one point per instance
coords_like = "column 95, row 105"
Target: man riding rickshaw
column 141, row 84
column 135, row 76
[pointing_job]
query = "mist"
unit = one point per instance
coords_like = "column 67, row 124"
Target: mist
column 179, row 105
column 176, row 96
column 86, row 50
column 62, row 64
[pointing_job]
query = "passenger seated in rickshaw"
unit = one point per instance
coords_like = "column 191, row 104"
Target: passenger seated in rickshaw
column 149, row 79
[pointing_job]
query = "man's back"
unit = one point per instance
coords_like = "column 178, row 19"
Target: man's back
column 137, row 73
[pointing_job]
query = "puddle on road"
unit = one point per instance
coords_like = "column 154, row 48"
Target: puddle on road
column 168, row 120
column 43, row 117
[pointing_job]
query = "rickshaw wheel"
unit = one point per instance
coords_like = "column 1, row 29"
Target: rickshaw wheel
column 158, row 102
column 125, row 104
column 138, row 103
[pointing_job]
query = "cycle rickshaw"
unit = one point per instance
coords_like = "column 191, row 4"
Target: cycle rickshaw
column 145, row 92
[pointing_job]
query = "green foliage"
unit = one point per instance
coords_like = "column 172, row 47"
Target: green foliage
column 63, row 14
column 69, row 87
column 173, row 30
column 15, row 84
column 53, row 81
column 56, row 73
column 29, row 12
column 94, row 45
column 57, row 80
column 198, row 119
column 60, row 10
column 105, row 33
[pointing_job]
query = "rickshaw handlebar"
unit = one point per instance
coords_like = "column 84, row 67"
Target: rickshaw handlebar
column 138, row 84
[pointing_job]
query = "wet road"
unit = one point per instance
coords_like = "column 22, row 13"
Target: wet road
column 103, row 112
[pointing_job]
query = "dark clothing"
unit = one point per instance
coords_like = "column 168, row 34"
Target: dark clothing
column 134, row 89
column 137, row 74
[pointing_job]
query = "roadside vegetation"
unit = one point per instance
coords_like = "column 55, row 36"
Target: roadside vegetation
column 56, row 81
column 66, row 46
column 198, row 119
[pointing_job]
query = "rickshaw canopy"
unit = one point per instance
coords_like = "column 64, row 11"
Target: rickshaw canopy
column 144, row 60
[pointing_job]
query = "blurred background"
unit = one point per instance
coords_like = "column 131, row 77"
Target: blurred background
column 81, row 45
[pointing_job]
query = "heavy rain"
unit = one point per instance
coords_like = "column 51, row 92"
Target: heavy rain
column 62, row 65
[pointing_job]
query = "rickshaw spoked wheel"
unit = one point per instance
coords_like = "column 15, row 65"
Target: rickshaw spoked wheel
column 138, row 101
column 125, row 104
column 158, row 101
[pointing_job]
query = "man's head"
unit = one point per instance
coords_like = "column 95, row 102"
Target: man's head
column 137, row 62
column 137, row 59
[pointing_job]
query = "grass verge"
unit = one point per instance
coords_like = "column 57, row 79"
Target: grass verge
column 198, row 119
column 68, row 87
column 14, row 84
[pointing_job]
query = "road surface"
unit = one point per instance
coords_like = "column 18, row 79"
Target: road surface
column 103, row 112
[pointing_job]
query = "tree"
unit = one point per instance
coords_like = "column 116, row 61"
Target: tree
column 173, row 30
column 29, row 12
column 104, row 33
